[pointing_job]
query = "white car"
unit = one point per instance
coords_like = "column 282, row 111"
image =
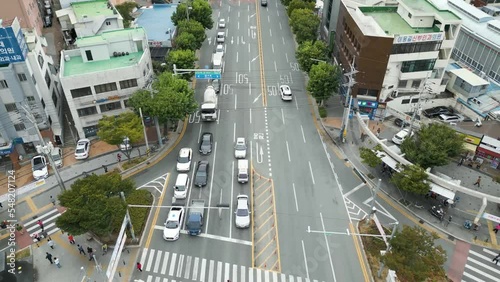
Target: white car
column 401, row 136
column 222, row 23
column 221, row 37
column 286, row 93
column 181, row 186
column 242, row 218
column 240, row 149
column 173, row 224
column 82, row 149
column 219, row 49
column 39, row 167
column 453, row 118
column 184, row 160
column 57, row 156
column 126, row 145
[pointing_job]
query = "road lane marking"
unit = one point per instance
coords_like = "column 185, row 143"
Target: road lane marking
column 248, row 48
column 234, row 132
column 188, row 267
column 150, row 260
column 278, row 11
column 238, row 23
column 268, row 18
column 250, row 90
column 261, row 56
column 210, row 189
column 235, row 101
column 283, row 39
column 275, row 67
column 155, row 217
column 172, row 264
column 157, row 262
column 236, row 56
column 305, row 259
column 195, row 269
column 199, row 134
column 354, row 190
column 288, row 152
column 295, row 196
column 280, row 22
column 327, row 246
column 249, row 66
column 231, row 201
column 312, row 175
column 211, row 271
column 270, row 33
column 303, row 135
column 203, row 268
column 286, row 56
column 272, row 47
column 250, row 115
column 282, row 116
column 164, row 265
column 219, row 271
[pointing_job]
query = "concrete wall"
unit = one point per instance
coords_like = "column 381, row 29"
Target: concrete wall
column 26, row 11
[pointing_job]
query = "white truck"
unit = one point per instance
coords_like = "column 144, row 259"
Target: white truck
column 242, row 171
column 209, row 107
column 217, row 61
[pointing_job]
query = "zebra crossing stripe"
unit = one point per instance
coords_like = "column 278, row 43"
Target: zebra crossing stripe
column 172, row 265
column 179, row 268
column 143, row 256
column 481, row 272
column 157, row 262
column 291, row 278
column 188, row 267
column 150, row 278
column 157, row 279
column 275, row 276
column 266, row 276
column 473, row 277
column 203, row 268
column 250, row 275
column 219, row 271
column 484, row 265
column 165, row 280
column 150, row 260
column 258, row 274
column 164, row 266
column 227, row 270
column 243, row 273
column 235, row 271
column 283, row 277
column 195, row 270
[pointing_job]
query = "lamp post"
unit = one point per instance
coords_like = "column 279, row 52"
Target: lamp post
column 187, row 12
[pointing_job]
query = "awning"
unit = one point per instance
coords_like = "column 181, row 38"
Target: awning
column 7, row 149
column 392, row 163
column 470, row 147
column 484, row 149
column 442, row 191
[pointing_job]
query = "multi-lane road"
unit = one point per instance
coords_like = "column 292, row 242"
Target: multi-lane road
column 285, row 149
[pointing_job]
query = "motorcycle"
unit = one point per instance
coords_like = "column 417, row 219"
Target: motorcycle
column 437, row 212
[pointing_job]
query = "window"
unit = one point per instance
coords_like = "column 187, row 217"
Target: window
column 54, row 97
column 40, row 61
column 87, row 111
column 11, row 107
column 81, row 92
column 110, row 107
column 405, row 101
column 43, row 104
column 124, row 84
column 402, row 83
column 416, row 83
column 19, row 126
column 420, row 65
column 30, row 98
column 108, row 23
column 47, row 78
column 88, row 53
column 3, row 84
column 90, row 131
column 105, row 87
column 416, row 47
column 21, row 77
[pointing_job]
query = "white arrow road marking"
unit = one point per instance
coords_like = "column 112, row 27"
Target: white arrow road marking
column 257, row 98
column 253, row 60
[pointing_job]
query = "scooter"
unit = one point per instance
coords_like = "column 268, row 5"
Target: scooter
column 437, row 212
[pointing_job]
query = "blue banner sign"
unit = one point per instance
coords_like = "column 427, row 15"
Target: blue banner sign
column 13, row 47
column 207, row 75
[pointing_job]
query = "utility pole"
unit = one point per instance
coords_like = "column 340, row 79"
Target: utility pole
column 413, row 116
column 394, row 228
column 157, row 125
column 347, row 110
column 128, row 218
column 144, row 130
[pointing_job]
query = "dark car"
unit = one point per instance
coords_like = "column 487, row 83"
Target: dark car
column 401, row 123
column 437, row 111
column 201, row 176
column 206, row 143
column 263, row 3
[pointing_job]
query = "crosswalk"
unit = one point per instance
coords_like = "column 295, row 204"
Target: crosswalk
column 49, row 223
column 480, row 267
column 162, row 266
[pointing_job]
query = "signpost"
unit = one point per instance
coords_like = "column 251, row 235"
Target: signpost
column 207, row 74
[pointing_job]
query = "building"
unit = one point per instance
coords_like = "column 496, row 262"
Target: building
column 88, row 18
column 30, row 13
column 28, row 79
column 100, row 76
column 398, row 50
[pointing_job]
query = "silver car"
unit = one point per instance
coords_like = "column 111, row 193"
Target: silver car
column 242, row 218
column 240, row 149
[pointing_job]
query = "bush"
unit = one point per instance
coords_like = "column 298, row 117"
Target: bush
column 322, row 112
column 139, row 215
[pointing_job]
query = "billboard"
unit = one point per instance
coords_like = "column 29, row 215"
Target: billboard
column 13, row 47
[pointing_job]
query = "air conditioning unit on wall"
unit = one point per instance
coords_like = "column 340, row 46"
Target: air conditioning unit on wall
column 394, row 94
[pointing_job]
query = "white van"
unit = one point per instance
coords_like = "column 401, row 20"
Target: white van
column 242, row 171
column 220, row 37
column 181, row 186
column 56, row 155
column 401, row 136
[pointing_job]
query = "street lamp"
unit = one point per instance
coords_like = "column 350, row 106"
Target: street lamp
column 187, row 12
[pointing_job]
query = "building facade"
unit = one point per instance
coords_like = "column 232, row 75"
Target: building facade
column 28, row 13
column 28, row 82
column 99, row 77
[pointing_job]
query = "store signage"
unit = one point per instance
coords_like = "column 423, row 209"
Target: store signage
column 13, row 47
column 402, row 39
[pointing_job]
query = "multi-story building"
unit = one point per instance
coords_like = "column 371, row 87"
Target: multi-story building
column 99, row 77
column 28, row 81
column 28, row 13
column 397, row 50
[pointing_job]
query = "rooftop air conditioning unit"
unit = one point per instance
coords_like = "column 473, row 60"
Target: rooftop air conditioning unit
column 67, row 58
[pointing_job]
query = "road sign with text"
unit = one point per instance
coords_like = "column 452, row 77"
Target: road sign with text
column 207, row 75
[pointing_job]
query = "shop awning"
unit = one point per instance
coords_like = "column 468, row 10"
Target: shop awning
column 484, row 149
column 392, row 163
column 442, row 191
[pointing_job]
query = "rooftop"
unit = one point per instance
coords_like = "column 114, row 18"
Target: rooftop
column 425, row 7
column 470, row 77
column 148, row 19
column 391, row 22
column 76, row 66
column 110, row 35
column 92, row 9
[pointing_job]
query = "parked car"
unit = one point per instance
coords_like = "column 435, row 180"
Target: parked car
column 201, row 176
column 451, row 118
column 184, row 159
column 206, row 141
column 57, row 157
column 82, row 149
column 436, row 111
column 401, row 123
column 401, row 136
column 242, row 218
column 39, row 167
column 240, row 149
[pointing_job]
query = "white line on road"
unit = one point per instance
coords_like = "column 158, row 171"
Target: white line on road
column 272, row 47
column 253, row 60
column 295, row 196
column 275, row 67
column 291, row 78
column 282, row 116
column 270, row 33
column 305, row 259
column 231, row 202
column 268, row 18
column 288, row 151
column 250, row 115
column 249, row 67
column 234, row 132
column 303, row 135
column 256, row 98
column 199, row 134
column 249, row 88
column 210, row 189
column 286, row 56
column 354, row 190
column 296, row 104
column 236, row 56
column 278, row 12
column 280, row 22
column 327, row 247
column 283, row 39
column 248, row 48
column 218, row 116
column 238, row 22
column 235, row 101
column 311, row 170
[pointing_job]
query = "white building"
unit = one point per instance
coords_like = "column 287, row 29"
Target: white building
column 100, row 76
column 28, row 79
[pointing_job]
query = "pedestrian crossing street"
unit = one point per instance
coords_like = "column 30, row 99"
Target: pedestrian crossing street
column 162, row 266
column 49, row 223
column 480, row 267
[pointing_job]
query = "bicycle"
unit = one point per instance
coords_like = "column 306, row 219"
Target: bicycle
column 419, row 206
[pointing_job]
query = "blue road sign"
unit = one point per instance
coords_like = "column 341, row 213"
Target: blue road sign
column 207, row 75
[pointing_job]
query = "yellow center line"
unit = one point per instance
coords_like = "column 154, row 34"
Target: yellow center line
column 360, row 254
column 157, row 212
column 261, row 57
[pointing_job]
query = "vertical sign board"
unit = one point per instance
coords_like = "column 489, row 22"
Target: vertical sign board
column 13, row 47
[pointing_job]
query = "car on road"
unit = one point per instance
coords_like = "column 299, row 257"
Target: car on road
column 126, row 145
column 173, row 224
column 401, row 136
column 436, row 111
column 240, row 149
column 57, row 156
column 39, row 167
column 181, row 186
column 184, row 160
column 220, row 37
column 242, row 218
column 222, row 23
column 206, row 141
column 263, row 3
column 401, row 123
column 451, row 118
column 201, row 176
column 286, row 93
column 82, row 149
column 216, row 85
column 219, row 49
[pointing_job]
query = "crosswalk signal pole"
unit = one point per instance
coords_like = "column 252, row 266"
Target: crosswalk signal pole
column 350, row 83
column 129, row 221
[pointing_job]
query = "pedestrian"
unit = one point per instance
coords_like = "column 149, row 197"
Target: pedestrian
column 496, row 259
column 478, row 182
column 91, row 256
column 449, row 220
column 50, row 243
column 71, row 239
column 496, row 228
column 49, row 257
column 119, row 157
column 40, row 223
column 1, row 205
column 80, row 248
column 461, row 162
column 89, row 249
column 52, row 200
column 36, row 237
column 104, row 249
column 57, row 262
column 105, row 168
column 139, row 266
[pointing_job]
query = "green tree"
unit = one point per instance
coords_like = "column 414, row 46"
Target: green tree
column 369, row 157
column 125, row 11
column 309, row 50
column 113, row 129
column 92, row 204
column 415, row 257
column 183, row 59
column 300, row 4
column 186, row 41
column 323, row 81
column 434, row 145
column 201, row 12
column 412, row 178
column 195, row 28
column 304, row 23
column 142, row 99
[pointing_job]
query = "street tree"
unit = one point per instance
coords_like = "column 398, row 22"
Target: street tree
column 323, row 81
column 114, row 129
column 434, row 145
column 91, row 204
column 142, row 99
column 414, row 255
column 369, row 156
column 186, row 41
column 299, row 4
column 310, row 53
column 304, row 23
column 195, row 28
column 183, row 59
column 125, row 11
column 200, row 11
column 411, row 178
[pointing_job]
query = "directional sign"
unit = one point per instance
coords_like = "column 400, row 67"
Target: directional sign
column 207, row 75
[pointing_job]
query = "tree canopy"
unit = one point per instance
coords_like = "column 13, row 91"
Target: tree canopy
column 113, row 129
column 186, row 41
column 125, row 10
column 323, row 81
column 92, row 204
column 300, row 4
column 433, row 145
column 412, row 179
column 304, row 23
column 193, row 27
column 308, row 50
column 183, row 59
column 369, row 157
column 200, row 11
column 414, row 256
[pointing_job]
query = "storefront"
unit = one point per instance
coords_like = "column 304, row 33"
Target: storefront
column 489, row 150
column 366, row 108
